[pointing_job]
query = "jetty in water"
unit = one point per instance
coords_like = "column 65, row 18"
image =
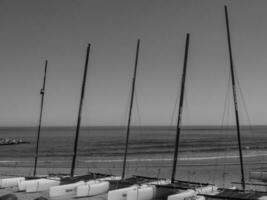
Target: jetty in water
column 10, row 141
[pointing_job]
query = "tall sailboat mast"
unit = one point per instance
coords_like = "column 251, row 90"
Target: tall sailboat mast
column 42, row 92
column 178, row 128
column 130, row 110
column 235, row 98
column 80, row 111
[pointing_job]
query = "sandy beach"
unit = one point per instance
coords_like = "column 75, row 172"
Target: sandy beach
column 221, row 172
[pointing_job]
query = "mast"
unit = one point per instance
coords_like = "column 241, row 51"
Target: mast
column 235, row 98
column 130, row 110
column 80, row 111
column 178, row 128
column 42, row 92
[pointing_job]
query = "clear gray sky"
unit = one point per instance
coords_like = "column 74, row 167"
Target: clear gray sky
column 34, row 30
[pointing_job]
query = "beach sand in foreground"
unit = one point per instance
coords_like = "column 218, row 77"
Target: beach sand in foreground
column 219, row 172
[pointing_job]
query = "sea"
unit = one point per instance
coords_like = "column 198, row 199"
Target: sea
column 150, row 143
column 206, row 153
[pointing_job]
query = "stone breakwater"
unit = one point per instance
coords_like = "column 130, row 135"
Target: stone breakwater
column 10, row 141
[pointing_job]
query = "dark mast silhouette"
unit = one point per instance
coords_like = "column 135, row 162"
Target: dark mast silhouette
column 130, row 110
column 42, row 92
column 80, row 112
column 178, row 128
column 235, row 98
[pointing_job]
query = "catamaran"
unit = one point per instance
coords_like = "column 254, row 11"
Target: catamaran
column 138, row 187
column 214, row 193
column 175, row 188
column 193, row 190
column 118, row 188
column 231, row 194
column 36, row 182
column 14, row 181
column 67, row 186
column 42, row 183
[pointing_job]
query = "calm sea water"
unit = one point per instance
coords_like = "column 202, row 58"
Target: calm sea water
column 146, row 143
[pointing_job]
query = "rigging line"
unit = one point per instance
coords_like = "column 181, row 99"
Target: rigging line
column 85, row 132
column 174, row 110
column 124, row 120
column 186, row 106
column 244, row 102
column 235, row 98
column 221, row 130
column 175, row 106
column 226, row 113
column 127, row 105
column 186, row 99
column 140, row 125
column 84, row 114
column 226, row 101
column 170, row 130
column 247, row 114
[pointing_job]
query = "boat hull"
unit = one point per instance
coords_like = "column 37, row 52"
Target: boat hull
column 120, row 194
column 64, row 190
column 10, row 182
column 182, row 195
column 37, row 185
column 92, row 189
column 149, row 191
column 145, row 192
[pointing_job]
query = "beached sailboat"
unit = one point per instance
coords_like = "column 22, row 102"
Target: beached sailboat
column 118, row 188
column 100, row 186
column 68, row 185
column 14, row 181
column 183, row 189
column 228, row 193
column 203, row 191
column 223, row 193
column 73, row 186
column 176, row 188
column 37, row 183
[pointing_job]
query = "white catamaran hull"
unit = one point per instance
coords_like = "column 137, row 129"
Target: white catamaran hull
column 64, row 190
column 120, row 194
column 81, row 188
column 190, row 193
column 10, row 182
column 95, row 187
column 182, row 195
column 144, row 192
column 37, row 185
column 92, row 189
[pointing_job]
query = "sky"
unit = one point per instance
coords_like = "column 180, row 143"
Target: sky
column 59, row 31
